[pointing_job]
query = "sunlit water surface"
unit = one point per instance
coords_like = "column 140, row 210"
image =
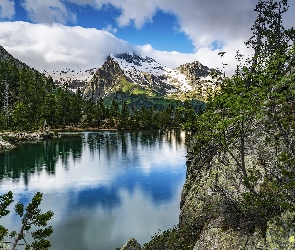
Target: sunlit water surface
column 103, row 187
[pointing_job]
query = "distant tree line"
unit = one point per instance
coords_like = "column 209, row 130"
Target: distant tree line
column 29, row 98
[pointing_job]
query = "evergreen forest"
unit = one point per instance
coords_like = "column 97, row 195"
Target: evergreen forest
column 29, row 98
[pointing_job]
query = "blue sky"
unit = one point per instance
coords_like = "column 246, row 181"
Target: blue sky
column 162, row 32
column 81, row 33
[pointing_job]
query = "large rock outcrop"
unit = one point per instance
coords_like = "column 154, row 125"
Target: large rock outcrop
column 103, row 80
column 210, row 201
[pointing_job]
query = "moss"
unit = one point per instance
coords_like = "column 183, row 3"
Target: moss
column 178, row 237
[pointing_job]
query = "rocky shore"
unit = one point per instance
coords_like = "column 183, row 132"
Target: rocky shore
column 9, row 139
column 5, row 145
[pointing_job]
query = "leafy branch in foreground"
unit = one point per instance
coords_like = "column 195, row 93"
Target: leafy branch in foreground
column 31, row 216
column 5, row 201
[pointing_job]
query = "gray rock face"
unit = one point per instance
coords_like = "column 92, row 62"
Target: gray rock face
column 194, row 70
column 147, row 74
column 222, row 225
column 131, row 244
column 103, row 80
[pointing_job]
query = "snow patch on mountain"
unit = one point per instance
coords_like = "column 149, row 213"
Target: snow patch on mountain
column 134, row 65
column 71, row 78
column 144, row 71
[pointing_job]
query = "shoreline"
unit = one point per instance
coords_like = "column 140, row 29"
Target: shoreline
column 8, row 139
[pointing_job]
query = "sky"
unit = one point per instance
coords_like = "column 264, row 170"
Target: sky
column 80, row 34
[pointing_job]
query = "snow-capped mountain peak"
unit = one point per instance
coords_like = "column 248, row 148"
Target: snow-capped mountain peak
column 144, row 72
column 137, row 67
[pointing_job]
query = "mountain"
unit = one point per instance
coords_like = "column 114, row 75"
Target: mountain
column 71, row 78
column 129, row 76
column 144, row 75
column 5, row 56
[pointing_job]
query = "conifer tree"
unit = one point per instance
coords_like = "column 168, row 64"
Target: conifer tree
column 30, row 215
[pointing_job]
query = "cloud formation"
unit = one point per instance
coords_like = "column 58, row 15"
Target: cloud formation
column 211, row 25
column 7, row 9
column 58, row 46
column 41, row 11
column 206, row 23
column 110, row 28
column 202, row 21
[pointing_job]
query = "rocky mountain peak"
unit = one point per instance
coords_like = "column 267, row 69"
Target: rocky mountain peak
column 103, row 80
column 194, row 70
column 146, row 73
column 4, row 55
column 133, row 58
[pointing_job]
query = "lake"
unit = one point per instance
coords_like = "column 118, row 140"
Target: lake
column 103, row 187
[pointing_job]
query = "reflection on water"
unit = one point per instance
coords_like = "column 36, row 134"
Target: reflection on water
column 103, row 187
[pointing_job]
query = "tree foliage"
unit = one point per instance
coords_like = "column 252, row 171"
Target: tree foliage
column 29, row 98
column 247, row 130
column 31, row 217
column 243, row 144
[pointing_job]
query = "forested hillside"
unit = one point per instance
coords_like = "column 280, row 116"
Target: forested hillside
column 29, row 98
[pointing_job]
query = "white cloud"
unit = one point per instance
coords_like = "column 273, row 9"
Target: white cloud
column 7, row 9
column 202, row 21
column 226, row 23
column 139, row 12
column 57, row 46
column 133, row 12
column 48, row 11
column 207, row 21
column 204, row 55
column 110, row 28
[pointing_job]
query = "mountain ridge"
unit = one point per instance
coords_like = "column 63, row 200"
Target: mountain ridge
column 129, row 72
column 147, row 74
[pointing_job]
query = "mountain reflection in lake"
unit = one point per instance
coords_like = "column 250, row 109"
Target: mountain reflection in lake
column 103, row 187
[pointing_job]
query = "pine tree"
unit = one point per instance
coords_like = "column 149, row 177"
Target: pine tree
column 6, row 103
column 30, row 215
column 271, row 42
column 50, row 110
column 246, row 134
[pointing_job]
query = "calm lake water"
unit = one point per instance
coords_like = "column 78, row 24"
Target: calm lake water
column 103, row 187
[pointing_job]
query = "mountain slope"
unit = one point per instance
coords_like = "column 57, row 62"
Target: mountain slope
column 143, row 75
column 5, row 57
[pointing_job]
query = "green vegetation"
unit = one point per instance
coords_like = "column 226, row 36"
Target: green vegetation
column 29, row 99
column 131, row 88
column 243, row 150
column 31, row 216
column 242, row 146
